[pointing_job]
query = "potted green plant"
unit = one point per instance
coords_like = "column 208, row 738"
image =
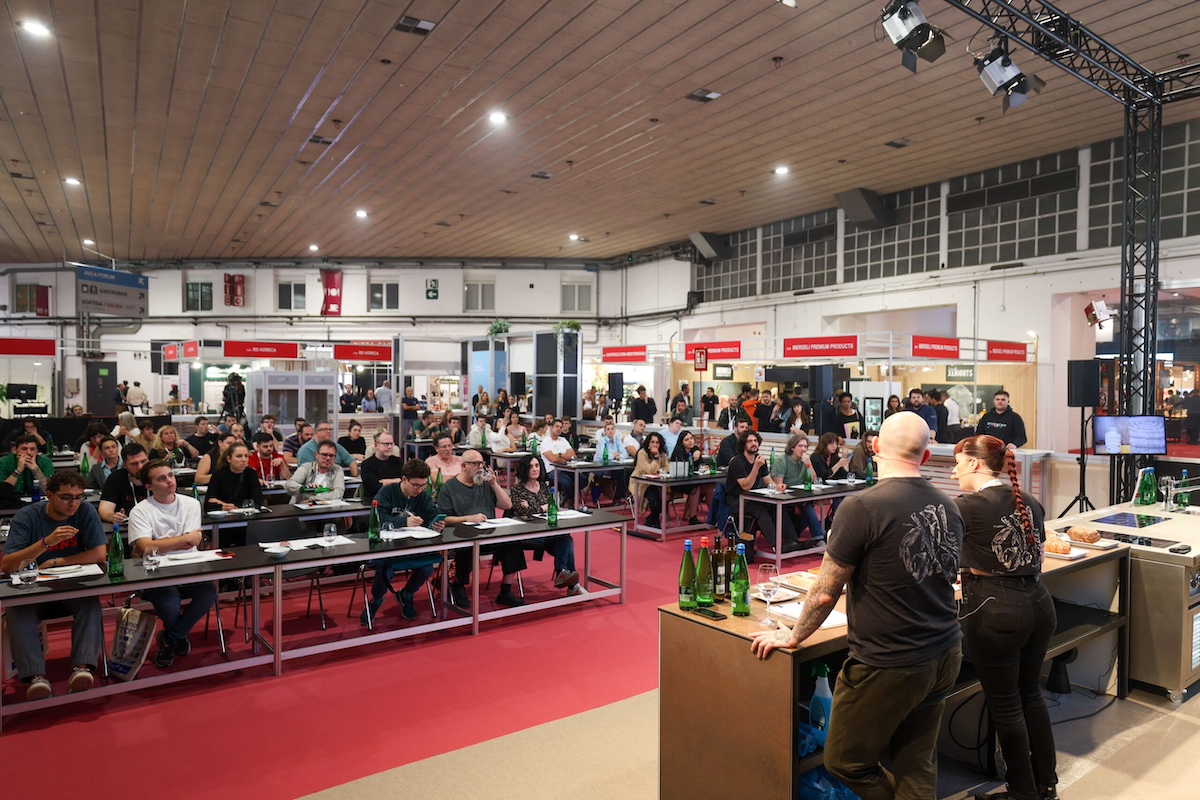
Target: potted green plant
column 499, row 325
column 566, row 326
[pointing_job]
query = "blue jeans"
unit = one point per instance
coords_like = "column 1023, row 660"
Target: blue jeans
column 807, row 515
column 386, row 570
column 565, row 482
column 167, row 601
column 561, row 547
column 87, row 634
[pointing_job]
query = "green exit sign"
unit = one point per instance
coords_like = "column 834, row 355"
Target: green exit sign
column 431, row 294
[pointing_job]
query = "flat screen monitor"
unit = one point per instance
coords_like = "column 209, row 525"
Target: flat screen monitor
column 1139, row 436
column 22, row 391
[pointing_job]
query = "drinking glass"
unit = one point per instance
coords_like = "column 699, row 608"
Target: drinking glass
column 330, row 532
column 150, row 560
column 767, row 589
column 27, row 573
column 389, row 530
column 850, row 477
column 248, row 505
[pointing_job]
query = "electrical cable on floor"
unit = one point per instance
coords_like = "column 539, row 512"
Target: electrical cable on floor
column 1085, row 716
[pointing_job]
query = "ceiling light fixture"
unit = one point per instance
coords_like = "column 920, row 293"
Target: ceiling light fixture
column 1031, row 334
column 574, row 237
column 361, row 213
column 313, row 247
column 88, row 241
column 789, row 3
column 498, row 118
column 71, row 181
column 36, row 28
column 908, row 29
column 781, row 170
column 1000, row 74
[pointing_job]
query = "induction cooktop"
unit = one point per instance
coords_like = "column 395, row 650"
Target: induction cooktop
column 1127, row 520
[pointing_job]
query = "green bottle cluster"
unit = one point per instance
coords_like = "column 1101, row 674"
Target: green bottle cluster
column 1147, row 489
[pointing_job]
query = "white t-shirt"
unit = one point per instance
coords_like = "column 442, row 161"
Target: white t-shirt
column 631, row 446
column 953, row 416
column 558, row 446
column 154, row 520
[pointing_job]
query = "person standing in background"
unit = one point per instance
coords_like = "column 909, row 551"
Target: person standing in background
column 383, row 396
column 643, row 407
column 410, row 408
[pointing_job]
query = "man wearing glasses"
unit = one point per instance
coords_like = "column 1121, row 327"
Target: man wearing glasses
column 63, row 531
column 381, row 469
column 473, row 496
column 405, row 503
column 444, row 460
column 323, row 433
column 170, row 523
column 324, row 473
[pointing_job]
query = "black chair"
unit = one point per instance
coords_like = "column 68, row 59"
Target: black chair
column 278, row 530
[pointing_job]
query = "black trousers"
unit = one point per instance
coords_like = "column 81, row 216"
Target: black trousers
column 510, row 556
column 1007, row 623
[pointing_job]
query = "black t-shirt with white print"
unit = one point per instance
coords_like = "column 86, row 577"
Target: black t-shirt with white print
column 902, row 537
column 994, row 541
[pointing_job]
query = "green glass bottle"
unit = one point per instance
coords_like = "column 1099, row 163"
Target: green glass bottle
column 771, row 460
column 704, row 575
column 605, row 457
column 1184, row 499
column 712, row 463
column 720, row 564
column 373, row 525
column 552, row 509
column 84, row 465
column 807, row 479
column 524, row 441
column 870, row 476
column 739, row 584
column 1147, row 489
column 687, row 578
column 116, row 554
column 437, row 486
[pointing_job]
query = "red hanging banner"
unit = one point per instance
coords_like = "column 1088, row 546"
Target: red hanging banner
column 934, row 347
column 27, row 347
column 821, row 347
column 331, row 279
column 624, row 355
column 260, row 350
column 716, row 350
column 191, row 349
column 41, row 301
column 362, row 352
column 1006, row 351
column 170, row 352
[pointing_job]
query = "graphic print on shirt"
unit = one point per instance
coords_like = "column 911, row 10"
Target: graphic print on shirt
column 1013, row 547
column 929, row 547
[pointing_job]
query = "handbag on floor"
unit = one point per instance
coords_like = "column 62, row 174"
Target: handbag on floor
column 131, row 642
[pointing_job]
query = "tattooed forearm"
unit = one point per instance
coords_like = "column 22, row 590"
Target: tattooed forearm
column 822, row 597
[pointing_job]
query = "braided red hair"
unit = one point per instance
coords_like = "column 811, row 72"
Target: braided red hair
column 998, row 458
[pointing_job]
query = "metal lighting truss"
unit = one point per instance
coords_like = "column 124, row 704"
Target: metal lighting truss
column 1061, row 40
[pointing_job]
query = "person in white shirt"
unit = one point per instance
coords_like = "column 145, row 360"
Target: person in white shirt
column 555, row 449
column 324, row 473
column 170, row 523
column 672, row 433
column 610, row 442
column 953, row 415
column 633, row 441
column 478, row 437
column 384, row 396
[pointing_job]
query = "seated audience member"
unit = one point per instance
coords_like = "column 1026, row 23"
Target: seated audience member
column 555, row 450
column 60, row 532
column 204, row 438
column 267, row 425
column 77, row 411
column 109, row 463
column 538, row 434
column 293, row 443
column 238, row 430
column 323, row 432
column 226, row 424
column 687, row 450
column 473, row 496
column 170, row 523
column 233, row 484
column 123, row 490
column 168, row 446
column 863, row 454
column 651, row 460
column 455, row 432
column 729, row 445
column 322, row 479
column 383, row 467
column 424, row 427
column 513, row 427
column 672, row 433
column 125, row 428
column 25, row 466
column 29, row 427
column 90, row 448
column 404, row 503
column 265, row 461
column 790, row 471
column 478, row 436
column 208, row 462
column 831, row 459
column 609, row 442
column 747, row 472
column 145, row 435
column 531, row 497
column 353, row 442
column 633, row 440
column 443, row 461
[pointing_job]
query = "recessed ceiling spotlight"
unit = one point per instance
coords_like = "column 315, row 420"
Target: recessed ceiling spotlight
column 574, row 237
column 361, row 213
column 71, row 181
column 781, row 170
column 36, row 28
column 498, row 118
column 313, row 247
column 88, row 241
column 1175, row 294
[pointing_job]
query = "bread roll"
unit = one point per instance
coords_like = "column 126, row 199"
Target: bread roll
column 1056, row 545
column 1078, row 533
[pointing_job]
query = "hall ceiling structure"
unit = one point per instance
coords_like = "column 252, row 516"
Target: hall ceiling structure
column 252, row 129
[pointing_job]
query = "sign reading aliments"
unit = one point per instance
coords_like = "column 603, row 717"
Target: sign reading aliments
column 109, row 291
column 431, row 288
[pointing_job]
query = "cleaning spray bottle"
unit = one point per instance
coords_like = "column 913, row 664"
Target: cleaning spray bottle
column 821, row 705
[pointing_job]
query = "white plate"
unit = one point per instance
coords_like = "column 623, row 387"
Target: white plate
column 782, row 595
column 183, row 556
column 836, row 481
column 66, row 570
column 276, row 551
column 1074, row 555
column 420, row 533
column 1103, row 544
column 218, row 514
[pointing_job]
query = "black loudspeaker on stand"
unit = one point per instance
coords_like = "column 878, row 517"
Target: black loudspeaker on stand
column 1083, row 392
column 1081, row 499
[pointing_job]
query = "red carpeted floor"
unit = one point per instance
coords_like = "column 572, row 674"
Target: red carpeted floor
column 332, row 719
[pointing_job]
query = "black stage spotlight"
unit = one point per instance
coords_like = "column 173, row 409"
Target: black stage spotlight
column 1000, row 74
column 912, row 33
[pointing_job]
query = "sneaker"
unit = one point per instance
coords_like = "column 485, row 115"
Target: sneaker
column 791, row 547
column 1004, row 795
column 509, row 599
column 653, row 521
column 566, row 578
column 166, row 652
column 182, row 647
column 81, row 680
column 375, row 606
column 576, row 589
column 407, row 609
column 459, row 599
column 693, row 520
column 1048, row 792
column 39, row 688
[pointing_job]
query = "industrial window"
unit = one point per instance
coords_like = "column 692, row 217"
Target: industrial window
column 479, row 296
column 198, row 297
column 734, row 277
column 25, row 298
column 577, row 297
column 800, row 253
column 385, row 296
column 908, row 247
column 291, row 296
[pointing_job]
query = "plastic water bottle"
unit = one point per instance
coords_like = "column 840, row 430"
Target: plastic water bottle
column 821, row 704
column 687, row 578
column 35, row 494
column 1183, row 499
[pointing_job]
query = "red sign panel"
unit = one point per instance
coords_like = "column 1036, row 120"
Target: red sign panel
column 260, row 350
column 821, row 347
column 700, row 359
column 624, row 355
column 362, row 352
column 41, row 301
column 1006, row 351
column 235, row 290
column 934, row 347
column 27, row 347
column 716, row 350
column 191, row 349
column 331, row 279
column 170, row 352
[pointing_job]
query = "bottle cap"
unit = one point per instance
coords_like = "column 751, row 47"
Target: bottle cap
column 687, row 544
column 741, row 549
column 704, row 541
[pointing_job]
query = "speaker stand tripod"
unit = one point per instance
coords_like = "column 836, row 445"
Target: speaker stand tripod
column 1081, row 499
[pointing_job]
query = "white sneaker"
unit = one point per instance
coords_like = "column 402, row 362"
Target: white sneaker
column 39, row 689
column 576, row 589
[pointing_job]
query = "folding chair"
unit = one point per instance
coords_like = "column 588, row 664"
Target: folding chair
column 278, row 530
column 362, row 582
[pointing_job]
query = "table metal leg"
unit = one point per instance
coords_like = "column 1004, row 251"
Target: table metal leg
column 624, row 553
column 587, row 557
column 277, row 620
column 779, row 512
column 475, row 587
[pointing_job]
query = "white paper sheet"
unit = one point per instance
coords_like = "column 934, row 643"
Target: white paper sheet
column 499, row 522
column 791, row 612
column 84, row 571
column 304, row 544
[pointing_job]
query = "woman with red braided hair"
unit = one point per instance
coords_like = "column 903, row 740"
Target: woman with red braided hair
column 1007, row 614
